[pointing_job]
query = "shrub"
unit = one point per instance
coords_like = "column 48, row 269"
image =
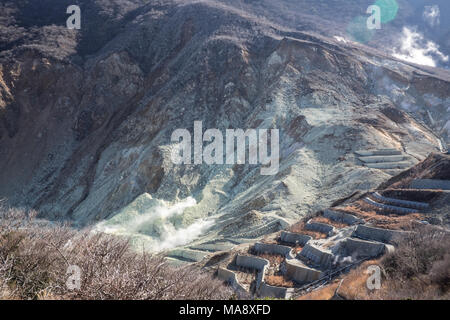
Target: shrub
column 420, row 265
column 34, row 259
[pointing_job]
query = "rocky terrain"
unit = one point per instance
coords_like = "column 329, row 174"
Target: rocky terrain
column 86, row 116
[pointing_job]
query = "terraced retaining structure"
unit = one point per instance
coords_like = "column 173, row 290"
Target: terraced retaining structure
column 395, row 209
column 384, row 159
column 430, row 184
column 379, row 159
column 402, row 203
column 275, row 292
column 230, row 277
column 317, row 255
column 188, row 254
column 377, row 234
column 363, row 248
column 284, row 251
column 251, row 262
column 320, row 227
column 294, row 238
column 379, row 152
column 301, row 273
column 342, row 217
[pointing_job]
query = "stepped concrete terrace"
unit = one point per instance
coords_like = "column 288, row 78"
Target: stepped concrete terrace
column 319, row 260
column 386, row 207
column 378, row 152
column 400, row 203
column 385, row 159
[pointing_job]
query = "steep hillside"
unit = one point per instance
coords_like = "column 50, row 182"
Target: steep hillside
column 86, row 116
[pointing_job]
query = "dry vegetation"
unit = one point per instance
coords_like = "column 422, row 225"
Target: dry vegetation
column 335, row 224
column 274, row 259
column 300, row 228
column 420, row 267
column 377, row 218
column 278, row 281
column 34, row 261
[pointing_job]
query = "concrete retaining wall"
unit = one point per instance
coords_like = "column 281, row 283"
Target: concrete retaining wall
column 389, row 165
column 317, row 256
column 379, row 159
column 363, row 248
column 301, row 273
column 252, row 262
column 377, row 234
column 395, row 209
column 341, row 217
column 294, row 238
column 380, row 152
column 430, row 184
column 230, row 277
column 320, row 227
column 192, row 255
column 402, row 203
column 272, row 249
column 275, row 292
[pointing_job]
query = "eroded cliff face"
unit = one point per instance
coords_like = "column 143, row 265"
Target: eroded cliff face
column 83, row 136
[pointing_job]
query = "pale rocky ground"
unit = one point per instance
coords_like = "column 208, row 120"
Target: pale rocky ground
column 84, row 135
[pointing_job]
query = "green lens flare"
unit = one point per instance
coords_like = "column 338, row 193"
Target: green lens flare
column 389, row 9
column 357, row 30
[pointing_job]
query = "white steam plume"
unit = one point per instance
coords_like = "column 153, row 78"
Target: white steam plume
column 416, row 49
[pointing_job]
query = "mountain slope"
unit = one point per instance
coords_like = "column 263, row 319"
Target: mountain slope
column 87, row 116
